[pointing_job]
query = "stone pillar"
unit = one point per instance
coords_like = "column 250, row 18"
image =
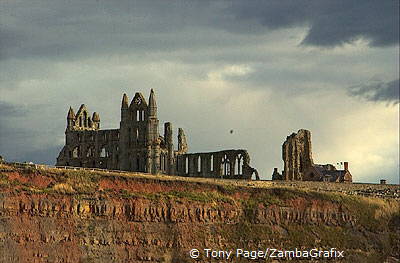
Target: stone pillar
column 170, row 147
column 232, row 163
column 156, row 159
column 149, row 160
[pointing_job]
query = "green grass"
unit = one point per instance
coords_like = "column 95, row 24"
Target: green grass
column 371, row 239
column 203, row 197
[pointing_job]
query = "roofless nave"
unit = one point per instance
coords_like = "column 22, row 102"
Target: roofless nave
column 138, row 146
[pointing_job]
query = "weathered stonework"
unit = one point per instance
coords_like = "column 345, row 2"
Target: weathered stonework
column 299, row 165
column 138, row 146
column 76, row 216
column 233, row 164
column 297, row 155
column 328, row 173
column 276, row 175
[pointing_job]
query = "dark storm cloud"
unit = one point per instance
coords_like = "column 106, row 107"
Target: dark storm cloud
column 223, row 54
column 9, row 114
column 18, row 141
column 378, row 91
column 75, row 29
column 42, row 156
column 330, row 23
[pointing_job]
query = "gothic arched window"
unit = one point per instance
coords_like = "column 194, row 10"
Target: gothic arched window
column 212, row 163
column 75, row 152
column 85, row 123
column 227, row 165
column 199, row 164
column 103, row 152
column 186, row 164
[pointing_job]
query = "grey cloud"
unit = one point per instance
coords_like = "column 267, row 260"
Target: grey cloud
column 25, row 133
column 57, row 53
column 378, row 91
column 9, row 37
column 73, row 29
column 345, row 21
column 41, row 156
column 8, row 110
column 76, row 29
column 275, row 77
column 9, row 113
column 330, row 23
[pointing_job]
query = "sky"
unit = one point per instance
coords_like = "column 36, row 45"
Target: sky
column 264, row 69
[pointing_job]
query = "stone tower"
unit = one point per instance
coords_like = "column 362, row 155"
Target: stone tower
column 297, row 155
column 139, row 136
column 152, row 136
column 137, row 145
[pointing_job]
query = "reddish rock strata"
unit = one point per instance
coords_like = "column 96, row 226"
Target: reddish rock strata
column 128, row 219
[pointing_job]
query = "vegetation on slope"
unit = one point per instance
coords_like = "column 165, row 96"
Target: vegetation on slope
column 373, row 238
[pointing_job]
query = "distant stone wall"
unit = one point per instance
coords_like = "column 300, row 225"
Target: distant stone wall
column 229, row 164
column 91, row 149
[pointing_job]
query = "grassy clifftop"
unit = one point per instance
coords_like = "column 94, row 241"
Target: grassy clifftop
column 119, row 217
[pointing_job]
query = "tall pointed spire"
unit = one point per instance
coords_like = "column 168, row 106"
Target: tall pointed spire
column 152, row 105
column 124, row 102
column 71, row 114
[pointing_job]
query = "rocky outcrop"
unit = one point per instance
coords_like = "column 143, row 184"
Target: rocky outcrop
column 71, row 216
column 297, row 155
column 148, row 211
column 117, row 229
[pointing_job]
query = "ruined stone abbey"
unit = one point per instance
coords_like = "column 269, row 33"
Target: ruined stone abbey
column 138, row 146
column 299, row 164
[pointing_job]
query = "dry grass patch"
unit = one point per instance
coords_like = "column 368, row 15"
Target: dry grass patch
column 64, row 188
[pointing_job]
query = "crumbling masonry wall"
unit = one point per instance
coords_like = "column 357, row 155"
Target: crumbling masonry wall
column 228, row 164
column 91, row 149
column 297, row 155
column 138, row 145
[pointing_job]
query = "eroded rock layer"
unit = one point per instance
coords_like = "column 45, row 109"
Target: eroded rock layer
column 74, row 216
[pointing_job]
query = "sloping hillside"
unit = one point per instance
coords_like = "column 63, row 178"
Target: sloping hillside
column 55, row 215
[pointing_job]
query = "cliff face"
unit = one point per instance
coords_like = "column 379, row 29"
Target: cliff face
column 74, row 216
